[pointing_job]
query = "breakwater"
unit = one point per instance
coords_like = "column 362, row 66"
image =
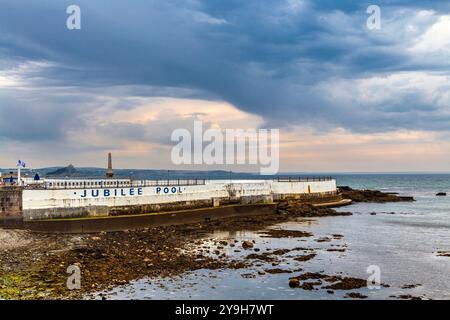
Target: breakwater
column 64, row 199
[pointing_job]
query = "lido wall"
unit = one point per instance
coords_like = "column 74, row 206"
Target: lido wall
column 53, row 199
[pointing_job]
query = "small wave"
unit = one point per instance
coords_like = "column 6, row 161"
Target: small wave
column 432, row 225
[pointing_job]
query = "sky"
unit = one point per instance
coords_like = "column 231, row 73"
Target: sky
column 345, row 97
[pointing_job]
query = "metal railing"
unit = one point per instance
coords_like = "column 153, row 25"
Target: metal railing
column 303, row 179
column 94, row 184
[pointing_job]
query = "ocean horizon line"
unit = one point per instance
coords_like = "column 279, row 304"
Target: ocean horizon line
column 284, row 173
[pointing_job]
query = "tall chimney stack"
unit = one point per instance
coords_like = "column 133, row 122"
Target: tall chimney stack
column 109, row 171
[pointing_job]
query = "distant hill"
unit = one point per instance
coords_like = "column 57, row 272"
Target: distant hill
column 68, row 171
column 141, row 174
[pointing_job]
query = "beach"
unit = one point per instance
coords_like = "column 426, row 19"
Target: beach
column 34, row 265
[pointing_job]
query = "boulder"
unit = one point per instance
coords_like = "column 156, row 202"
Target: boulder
column 294, row 283
column 247, row 244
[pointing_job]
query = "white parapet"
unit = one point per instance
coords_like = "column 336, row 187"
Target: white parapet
column 114, row 193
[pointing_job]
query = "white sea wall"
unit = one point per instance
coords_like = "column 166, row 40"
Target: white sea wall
column 130, row 196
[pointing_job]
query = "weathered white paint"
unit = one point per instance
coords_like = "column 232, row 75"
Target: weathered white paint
column 56, row 197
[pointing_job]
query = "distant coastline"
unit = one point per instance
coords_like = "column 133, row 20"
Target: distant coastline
column 96, row 172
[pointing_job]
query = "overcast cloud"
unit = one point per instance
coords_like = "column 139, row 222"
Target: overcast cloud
column 291, row 62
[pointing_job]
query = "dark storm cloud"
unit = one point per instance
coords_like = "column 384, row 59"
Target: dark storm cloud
column 34, row 119
column 270, row 58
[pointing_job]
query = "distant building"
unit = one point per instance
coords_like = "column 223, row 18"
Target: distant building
column 8, row 178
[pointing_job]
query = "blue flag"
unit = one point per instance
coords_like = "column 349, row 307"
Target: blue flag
column 20, row 163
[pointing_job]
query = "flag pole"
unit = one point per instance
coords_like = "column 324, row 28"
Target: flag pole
column 18, row 175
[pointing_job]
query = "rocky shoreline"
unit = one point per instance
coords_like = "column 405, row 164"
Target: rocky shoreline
column 34, row 266
column 371, row 195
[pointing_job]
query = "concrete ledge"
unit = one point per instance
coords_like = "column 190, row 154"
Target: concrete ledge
column 334, row 204
column 130, row 222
